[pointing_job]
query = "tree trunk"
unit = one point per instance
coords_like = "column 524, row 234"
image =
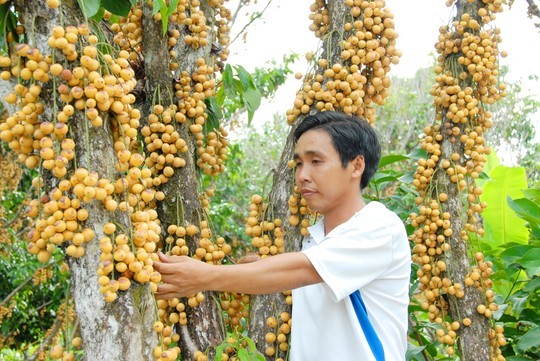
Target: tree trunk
column 181, row 206
column 474, row 340
column 454, row 277
column 110, row 331
column 122, row 329
column 263, row 307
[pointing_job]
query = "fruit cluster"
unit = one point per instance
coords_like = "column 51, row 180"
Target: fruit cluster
column 88, row 82
column 236, row 308
column 63, row 345
column 465, row 83
column 359, row 79
column 191, row 22
column 9, row 182
column 282, row 327
column 267, row 234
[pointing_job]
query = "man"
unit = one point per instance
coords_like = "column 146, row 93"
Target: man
column 355, row 246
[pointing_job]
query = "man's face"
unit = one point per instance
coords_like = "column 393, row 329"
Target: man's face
column 320, row 176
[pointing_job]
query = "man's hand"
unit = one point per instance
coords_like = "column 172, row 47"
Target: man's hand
column 182, row 276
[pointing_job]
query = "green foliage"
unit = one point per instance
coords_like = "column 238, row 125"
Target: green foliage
column 95, row 9
column 241, row 91
column 238, row 91
column 408, row 109
column 514, row 133
column 165, row 11
column 11, row 355
column 392, row 186
column 249, row 166
column 518, row 278
column 271, row 77
column 512, row 244
column 243, row 353
column 501, row 224
column 8, row 23
column 34, row 306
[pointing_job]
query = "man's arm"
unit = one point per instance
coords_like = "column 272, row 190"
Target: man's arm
column 183, row 276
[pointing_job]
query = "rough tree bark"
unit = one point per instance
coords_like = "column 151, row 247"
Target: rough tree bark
column 205, row 326
column 121, row 330
column 473, row 341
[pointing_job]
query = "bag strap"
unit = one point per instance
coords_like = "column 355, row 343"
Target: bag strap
column 371, row 336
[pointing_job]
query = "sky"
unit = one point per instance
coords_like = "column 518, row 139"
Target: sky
column 285, row 30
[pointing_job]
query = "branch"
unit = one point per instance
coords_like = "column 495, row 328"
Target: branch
column 24, row 283
column 259, row 15
column 15, row 216
column 58, row 322
column 418, row 338
column 533, row 9
column 17, row 289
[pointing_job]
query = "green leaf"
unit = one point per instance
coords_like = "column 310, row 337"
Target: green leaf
column 519, row 301
column 220, row 96
column 526, row 209
column 532, row 194
column 134, row 2
column 531, row 261
column 407, row 177
column 219, row 351
column 501, row 224
column 158, row 4
column 172, row 7
column 533, row 285
column 7, row 21
column 214, row 114
column 219, row 354
column 245, row 77
column 413, row 351
column 252, row 98
column 383, row 178
column 529, row 341
column 228, row 82
column 518, row 358
column 99, row 15
column 243, row 355
column 514, row 253
column 117, row 7
column 417, row 154
column 114, row 19
column 250, row 344
column 391, row 158
column 90, row 7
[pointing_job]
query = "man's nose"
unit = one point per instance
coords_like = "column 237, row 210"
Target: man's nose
column 303, row 174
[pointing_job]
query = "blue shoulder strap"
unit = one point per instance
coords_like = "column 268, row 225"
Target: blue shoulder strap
column 371, row 336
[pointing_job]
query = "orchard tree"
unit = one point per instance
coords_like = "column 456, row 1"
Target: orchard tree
column 113, row 115
column 454, row 275
column 348, row 73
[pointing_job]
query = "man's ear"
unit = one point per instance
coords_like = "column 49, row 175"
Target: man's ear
column 358, row 166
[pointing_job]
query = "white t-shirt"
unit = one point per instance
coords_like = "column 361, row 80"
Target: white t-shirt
column 370, row 253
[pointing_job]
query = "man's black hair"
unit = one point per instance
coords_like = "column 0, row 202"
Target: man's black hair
column 351, row 136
